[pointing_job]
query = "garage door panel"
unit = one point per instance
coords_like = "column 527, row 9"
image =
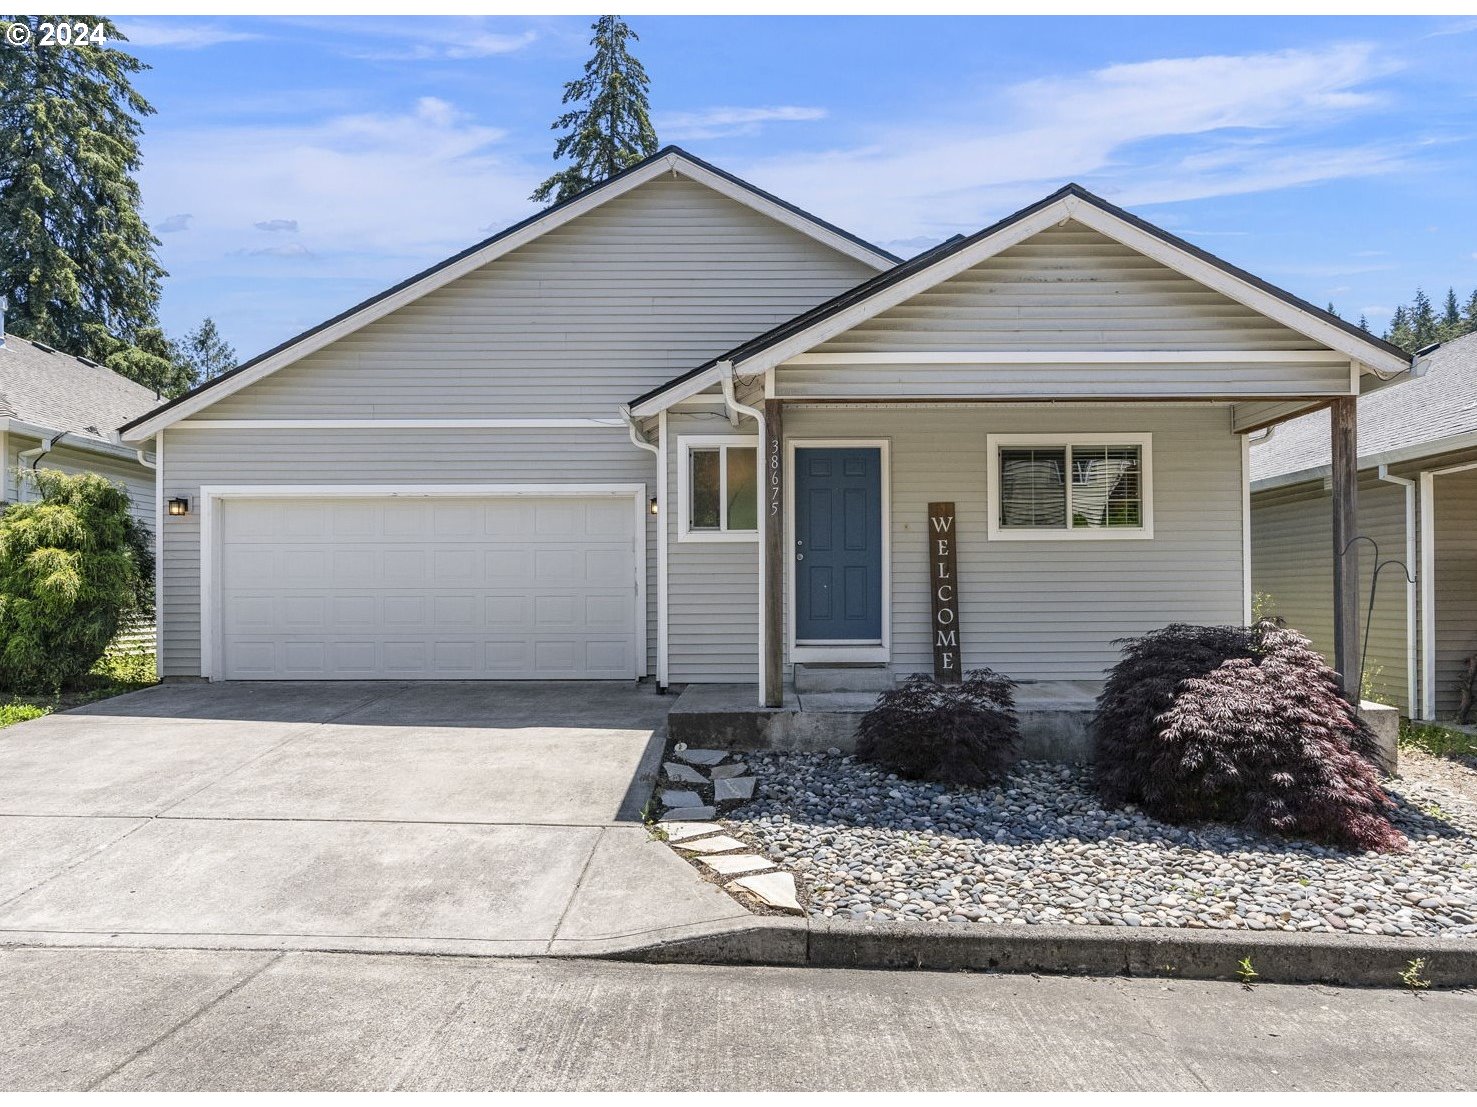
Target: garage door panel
column 401, row 587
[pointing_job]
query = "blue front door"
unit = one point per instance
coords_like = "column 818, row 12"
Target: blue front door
column 838, row 544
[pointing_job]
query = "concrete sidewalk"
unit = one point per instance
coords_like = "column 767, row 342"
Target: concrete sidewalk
column 457, row 817
column 175, row 1020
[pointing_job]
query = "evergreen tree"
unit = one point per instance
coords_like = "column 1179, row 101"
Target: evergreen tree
column 610, row 126
column 206, row 352
column 74, row 249
column 1422, row 320
column 1451, row 318
column 1400, row 333
column 1469, row 313
column 1363, row 323
column 151, row 359
column 1333, row 310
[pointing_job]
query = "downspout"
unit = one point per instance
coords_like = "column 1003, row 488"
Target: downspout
column 142, row 460
column 1411, row 586
column 725, row 375
column 31, row 457
column 639, row 440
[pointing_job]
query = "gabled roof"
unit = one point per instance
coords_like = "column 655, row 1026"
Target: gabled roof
column 1429, row 414
column 946, row 260
column 668, row 159
column 53, row 391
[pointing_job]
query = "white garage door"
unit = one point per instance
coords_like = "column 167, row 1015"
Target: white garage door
column 428, row 587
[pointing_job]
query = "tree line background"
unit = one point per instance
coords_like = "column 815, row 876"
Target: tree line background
column 79, row 264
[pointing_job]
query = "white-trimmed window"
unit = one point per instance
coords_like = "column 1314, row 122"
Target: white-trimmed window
column 717, row 488
column 1070, row 486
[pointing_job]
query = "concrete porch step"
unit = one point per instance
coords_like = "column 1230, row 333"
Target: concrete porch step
column 842, row 678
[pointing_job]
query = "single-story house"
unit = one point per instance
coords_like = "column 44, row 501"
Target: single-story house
column 677, row 428
column 1417, row 503
column 62, row 412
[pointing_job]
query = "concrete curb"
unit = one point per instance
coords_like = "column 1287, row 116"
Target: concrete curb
column 1277, row 957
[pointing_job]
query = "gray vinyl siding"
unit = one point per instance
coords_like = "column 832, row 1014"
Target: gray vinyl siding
column 1292, row 567
column 574, row 323
column 571, row 325
column 712, row 587
column 1067, row 288
column 136, row 480
column 196, row 457
column 1456, row 585
column 1051, row 610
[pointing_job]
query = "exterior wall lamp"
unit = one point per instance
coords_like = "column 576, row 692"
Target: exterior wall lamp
column 652, row 506
column 180, row 505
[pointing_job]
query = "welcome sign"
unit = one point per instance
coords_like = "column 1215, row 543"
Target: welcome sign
column 943, row 569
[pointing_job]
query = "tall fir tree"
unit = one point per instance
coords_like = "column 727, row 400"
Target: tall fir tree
column 609, row 127
column 1422, row 319
column 1451, row 318
column 151, row 359
column 77, row 260
column 1469, row 313
column 1363, row 323
column 206, row 352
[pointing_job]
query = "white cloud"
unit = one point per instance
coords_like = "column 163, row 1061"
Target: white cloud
column 686, row 126
column 276, row 225
column 416, row 40
column 1231, row 118
column 379, row 194
column 173, row 223
column 181, row 36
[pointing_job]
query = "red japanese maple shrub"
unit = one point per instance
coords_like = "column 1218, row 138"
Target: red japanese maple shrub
column 1266, row 740
column 959, row 734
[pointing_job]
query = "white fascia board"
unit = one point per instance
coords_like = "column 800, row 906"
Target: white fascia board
column 1079, row 357
column 1381, row 361
column 672, row 163
column 70, row 440
column 781, row 214
column 705, row 380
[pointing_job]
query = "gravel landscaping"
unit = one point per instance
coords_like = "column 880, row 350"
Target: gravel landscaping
column 1040, row 849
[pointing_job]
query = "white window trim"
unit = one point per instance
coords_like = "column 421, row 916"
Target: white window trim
column 994, row 443
column 211, row 496
column 863, row 652
column 686, row 443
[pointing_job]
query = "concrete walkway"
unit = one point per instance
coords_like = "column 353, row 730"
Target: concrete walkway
column 185, row 1020
column 453, row 817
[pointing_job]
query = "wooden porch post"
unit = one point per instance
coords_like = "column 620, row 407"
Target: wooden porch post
column 1343, row 421
column 774, row 553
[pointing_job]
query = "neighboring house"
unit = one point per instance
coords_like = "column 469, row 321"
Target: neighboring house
column 1417, row 500
column 677, row 428
column 62, row 412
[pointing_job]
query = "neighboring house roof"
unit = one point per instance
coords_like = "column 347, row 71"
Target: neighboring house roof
column 53, row 391
column 1425, row 415
column 669, row 158
column 1072, row 201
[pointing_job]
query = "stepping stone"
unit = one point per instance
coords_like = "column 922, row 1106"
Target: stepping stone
column 733, row 788
column 721, row 844
column 678, row 797
column 775, row 889
column 695, row 814
column 742, row 863
column 684, row 774
column 701, row 757
column 736, row 769
column 676, row 832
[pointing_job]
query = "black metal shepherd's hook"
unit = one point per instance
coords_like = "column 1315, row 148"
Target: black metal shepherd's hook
column 1374, row 582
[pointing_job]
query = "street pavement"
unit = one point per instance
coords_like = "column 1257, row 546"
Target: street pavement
column 199, row 1020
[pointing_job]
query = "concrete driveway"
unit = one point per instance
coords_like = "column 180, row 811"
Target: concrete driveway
column 462, row 817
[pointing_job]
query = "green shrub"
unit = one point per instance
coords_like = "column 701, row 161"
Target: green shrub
column 73, row 566
column 960, row 734
column 1437, row 740
column 1261, row 736
column 19, row 712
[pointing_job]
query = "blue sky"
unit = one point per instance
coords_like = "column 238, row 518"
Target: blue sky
column 298, row 165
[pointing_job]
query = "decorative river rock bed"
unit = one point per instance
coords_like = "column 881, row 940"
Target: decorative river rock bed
column 1041, row 849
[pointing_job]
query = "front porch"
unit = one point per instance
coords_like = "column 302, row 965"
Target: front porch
column 1054, row 717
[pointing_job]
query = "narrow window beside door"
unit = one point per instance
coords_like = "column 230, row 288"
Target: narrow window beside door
column 719, row 490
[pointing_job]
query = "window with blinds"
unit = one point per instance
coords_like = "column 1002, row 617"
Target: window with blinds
column 1091, row 488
